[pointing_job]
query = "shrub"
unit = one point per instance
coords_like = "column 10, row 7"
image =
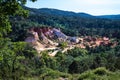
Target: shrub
column 63, row 45
column 101, row 71
column 97, row 74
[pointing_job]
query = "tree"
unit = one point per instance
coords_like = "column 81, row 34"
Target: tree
column 8, row 57
column 77, row 52
column 63, row 45
column 10, row 8
column 74, row 67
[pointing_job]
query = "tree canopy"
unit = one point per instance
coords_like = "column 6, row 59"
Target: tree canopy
column 10, row 8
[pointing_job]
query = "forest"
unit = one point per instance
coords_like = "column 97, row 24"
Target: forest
column 20, row 61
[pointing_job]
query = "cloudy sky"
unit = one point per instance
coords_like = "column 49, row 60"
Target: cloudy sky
column 94, row 7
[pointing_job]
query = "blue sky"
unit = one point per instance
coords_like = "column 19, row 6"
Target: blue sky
column 94, row 7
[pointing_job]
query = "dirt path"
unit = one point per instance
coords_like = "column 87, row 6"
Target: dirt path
column 53, row 53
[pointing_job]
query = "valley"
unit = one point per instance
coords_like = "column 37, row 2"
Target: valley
column 52, row 44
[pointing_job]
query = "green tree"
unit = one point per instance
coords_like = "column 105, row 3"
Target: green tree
column 74, row 67
column 63, row 45
column 10, row 8
column 77, row 52
column 9, row 55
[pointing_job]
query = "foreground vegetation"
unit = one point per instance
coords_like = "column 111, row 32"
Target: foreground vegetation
column 23, row 62
column 97, row 74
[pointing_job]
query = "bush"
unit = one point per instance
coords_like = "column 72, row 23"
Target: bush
column 77, row 52
column 49, row 74
column 97, row 74
column 63, row 45
column 101, row 71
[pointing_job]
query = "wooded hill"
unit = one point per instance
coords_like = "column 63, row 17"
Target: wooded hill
column 72, row 24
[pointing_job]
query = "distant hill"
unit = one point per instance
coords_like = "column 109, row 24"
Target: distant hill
column 69, row 13
column 57, row 12
column 81, row 14
column 115, row 17
column 64, row 13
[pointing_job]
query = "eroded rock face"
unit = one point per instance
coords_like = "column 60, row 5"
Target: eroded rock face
column 48, row 38
column 50, row 32
column 59, row 34
column 32, row 36
column 33, row 39
column 39, row 38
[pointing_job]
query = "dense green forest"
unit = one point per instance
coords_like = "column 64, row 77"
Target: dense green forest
column 19, row 61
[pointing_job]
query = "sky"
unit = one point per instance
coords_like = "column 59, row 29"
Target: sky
column 93, row 7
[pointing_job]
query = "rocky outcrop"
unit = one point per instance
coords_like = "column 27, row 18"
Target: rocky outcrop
column 59, row 34
column 48, row 38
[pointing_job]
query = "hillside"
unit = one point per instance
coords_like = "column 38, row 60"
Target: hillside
column 78, row 44
column 72, row 24
column 113, row 17
column 69, row 13
column 57, row 12
column 48, row 38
